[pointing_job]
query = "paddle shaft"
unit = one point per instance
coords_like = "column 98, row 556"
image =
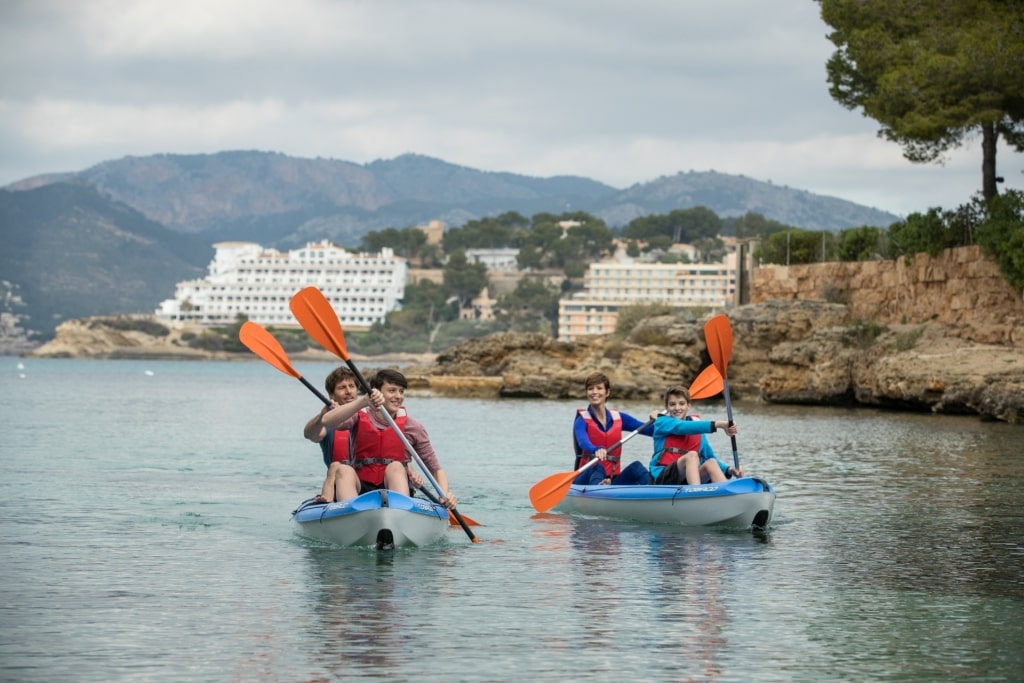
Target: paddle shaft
column 411, row 451
column 327, row 401
column 623, row 440
column 549, row 491
column 316, row 315
column 728, row 413
column 718, row 337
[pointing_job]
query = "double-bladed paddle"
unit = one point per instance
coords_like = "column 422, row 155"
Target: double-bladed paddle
column 718, row 337
column 317, row 317
column 266, row 346
column 549, row 491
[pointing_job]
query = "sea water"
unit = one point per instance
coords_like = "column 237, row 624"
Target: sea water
column 146, row 536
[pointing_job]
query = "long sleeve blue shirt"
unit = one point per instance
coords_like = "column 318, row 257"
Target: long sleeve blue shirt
column 583, row 444
column 667, row 425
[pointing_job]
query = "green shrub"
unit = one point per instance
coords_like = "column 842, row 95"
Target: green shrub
column 1001, row 235
column 863, row 334
column 860, row 244
column 908, row 340
column 650, row 336
column 208, row 340
column 630, row 316
column 129, row 324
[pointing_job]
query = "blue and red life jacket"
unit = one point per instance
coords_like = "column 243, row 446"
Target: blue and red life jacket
column 601, row 439
column 676, row 445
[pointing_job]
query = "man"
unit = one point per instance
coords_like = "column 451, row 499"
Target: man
column 377, row 453
column 341, row 481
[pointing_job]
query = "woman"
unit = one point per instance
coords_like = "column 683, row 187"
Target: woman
column 596, row 430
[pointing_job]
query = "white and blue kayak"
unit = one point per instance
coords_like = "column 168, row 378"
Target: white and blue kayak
column 382, row 519
column 746, row 503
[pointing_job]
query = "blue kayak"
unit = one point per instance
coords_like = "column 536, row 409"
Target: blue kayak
column 746, row 502
column 382, row 519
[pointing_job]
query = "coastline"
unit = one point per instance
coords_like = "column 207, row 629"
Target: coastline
column 785, row 352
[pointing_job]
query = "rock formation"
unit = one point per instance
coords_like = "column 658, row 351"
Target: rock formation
column 802, row 352
column 942, row 334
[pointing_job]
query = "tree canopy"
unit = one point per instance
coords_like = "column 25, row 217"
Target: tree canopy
column 933, row 73
column 409, row 242
column 462, row 278
column 680, row 226
column 572, row 248
column 506, row 230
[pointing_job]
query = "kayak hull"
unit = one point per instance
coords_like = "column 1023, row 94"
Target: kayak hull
column 382, row 519
column 744, row 503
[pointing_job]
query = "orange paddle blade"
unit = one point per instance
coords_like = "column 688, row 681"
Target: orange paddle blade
column 453, row 520
column 549, row 491
column 707, row 384
column 718, row 336
column 264, row 345
column 314, row 312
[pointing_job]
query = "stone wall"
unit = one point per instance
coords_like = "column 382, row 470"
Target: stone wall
column 960, row 287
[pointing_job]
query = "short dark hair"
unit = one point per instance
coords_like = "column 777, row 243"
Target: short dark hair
column 678, row 391
column 390, row 376
column 598, row 378
column 337, row 375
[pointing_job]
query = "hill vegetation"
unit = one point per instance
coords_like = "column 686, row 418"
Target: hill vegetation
column 284, row 202
column 69, row 252
column 72, row 250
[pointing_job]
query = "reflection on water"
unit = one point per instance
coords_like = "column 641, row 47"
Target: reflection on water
column 375, row 606
column 689, row 573
column 163, row 550
column 941, row 521
column 654, row 598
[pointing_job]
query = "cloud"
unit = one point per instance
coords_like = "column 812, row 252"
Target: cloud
column 619, row 92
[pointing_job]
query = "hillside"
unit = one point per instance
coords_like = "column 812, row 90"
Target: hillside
column 736, row 195
column 116, row 237
column 69, row 253
column 285, row 201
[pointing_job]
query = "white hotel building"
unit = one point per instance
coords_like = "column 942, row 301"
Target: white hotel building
column 607, row 287
column 246, row 278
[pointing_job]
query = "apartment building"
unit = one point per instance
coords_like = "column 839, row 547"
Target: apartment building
column 609, row 286
column 244, row 277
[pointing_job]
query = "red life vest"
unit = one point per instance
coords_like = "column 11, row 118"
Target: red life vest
column 340, row 446
column 604, row 440
column 376, row 446
column 678, row 444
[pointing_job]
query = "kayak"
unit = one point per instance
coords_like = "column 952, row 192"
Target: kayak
column 746, row 502
column 382, row 519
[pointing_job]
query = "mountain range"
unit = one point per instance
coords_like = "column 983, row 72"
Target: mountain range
column 117, row 236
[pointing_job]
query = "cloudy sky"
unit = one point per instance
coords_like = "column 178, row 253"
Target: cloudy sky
column 620, row 91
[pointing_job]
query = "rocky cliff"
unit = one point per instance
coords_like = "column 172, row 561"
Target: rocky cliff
column 943, row 334
column 803, row 352
column 961, row 288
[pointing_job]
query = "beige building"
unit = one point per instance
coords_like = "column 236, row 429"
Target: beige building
column 434, row 230
column 609, row 286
